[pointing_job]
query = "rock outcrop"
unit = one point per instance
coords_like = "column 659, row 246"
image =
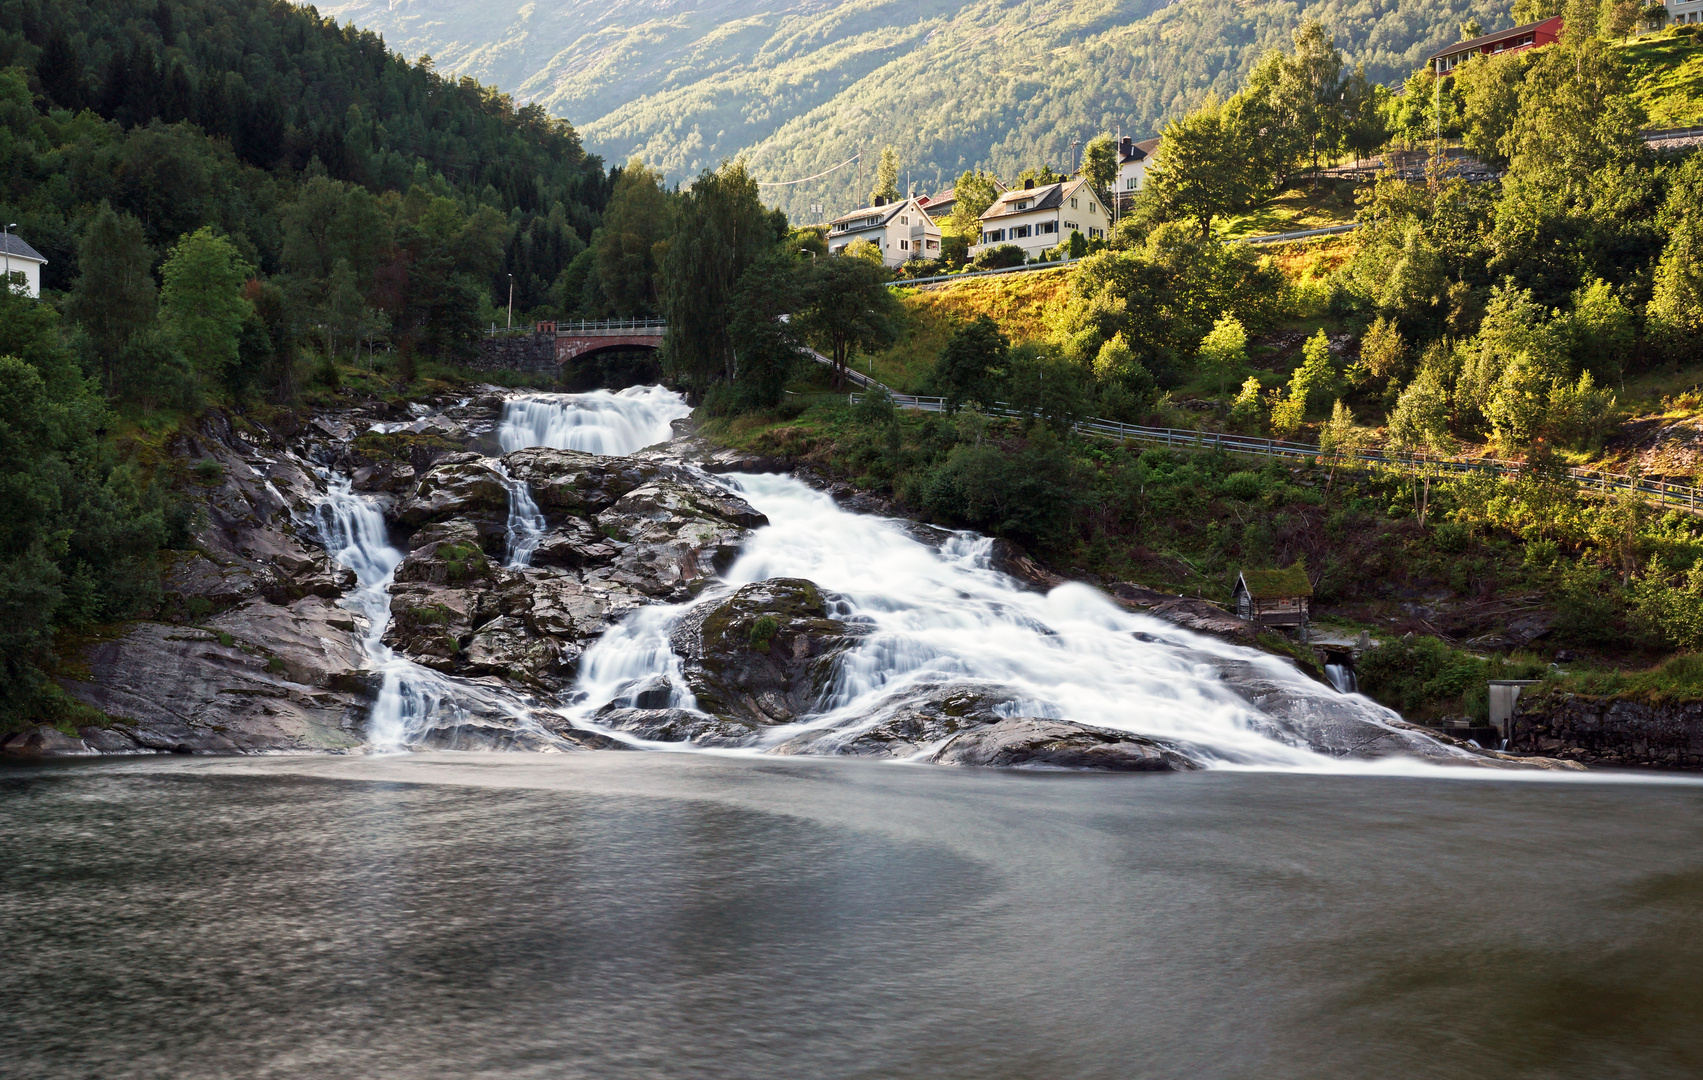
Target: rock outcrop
column 622, row 533
column 766, row 654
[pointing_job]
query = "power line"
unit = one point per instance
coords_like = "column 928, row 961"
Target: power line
column 818, row 176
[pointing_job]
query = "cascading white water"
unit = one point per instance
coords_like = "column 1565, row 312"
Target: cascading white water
column 1343, row 678
column 412, row 700
column 942, row 616
column 526, row 525
column 599, row 422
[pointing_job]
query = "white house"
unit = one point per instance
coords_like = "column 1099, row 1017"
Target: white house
column 1684, row 11
column 901, row 229
column 1134, row 159
column 18, row 257
column 1038, row 218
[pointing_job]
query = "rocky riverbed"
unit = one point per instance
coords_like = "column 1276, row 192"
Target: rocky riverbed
column 267, row 643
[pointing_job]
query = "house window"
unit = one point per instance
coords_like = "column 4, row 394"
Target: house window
column 1020, row 232
column 993, row 236
column 1095, row 234
column 1092, row 208
column 903, row 220
column 1071, row 225
column 904, row 245
column 1073, row 202
column 1046, row 227
column 932, row 244
column 1131, row 182
column 1024, row 205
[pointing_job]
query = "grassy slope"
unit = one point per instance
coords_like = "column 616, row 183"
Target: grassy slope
column 1669, row 74
column 1292, row 210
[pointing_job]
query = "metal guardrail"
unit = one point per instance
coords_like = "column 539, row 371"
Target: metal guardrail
column 900, row 283
column 1658, row 134
column 852, row 373
column 1302, row 234
column 1685, row 497
column 1271, row 238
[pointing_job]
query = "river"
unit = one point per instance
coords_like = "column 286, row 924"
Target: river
column 625, row 915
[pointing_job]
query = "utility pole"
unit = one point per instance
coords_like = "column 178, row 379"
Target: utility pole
column 511, row 301
column 6, row 243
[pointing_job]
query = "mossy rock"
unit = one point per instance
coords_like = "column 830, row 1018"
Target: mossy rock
column 766, row 654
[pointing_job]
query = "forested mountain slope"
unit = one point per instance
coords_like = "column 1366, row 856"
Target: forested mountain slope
column 800, row 87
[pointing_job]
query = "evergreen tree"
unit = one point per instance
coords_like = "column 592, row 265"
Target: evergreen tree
column 114, row 296
column 723, row 229
column 637, row 221
column 886, row 176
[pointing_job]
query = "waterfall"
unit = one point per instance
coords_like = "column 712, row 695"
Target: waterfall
column 414, row 703
column 945, row 615
column 1343, row 678
column 598, row 423
column 526, row 524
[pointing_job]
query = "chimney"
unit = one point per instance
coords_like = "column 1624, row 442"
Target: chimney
column 1028, row 185
column 1127, row 146
column 879, row 201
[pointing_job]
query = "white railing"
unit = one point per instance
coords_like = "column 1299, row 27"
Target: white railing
column 612, row 326
column 1685, row 497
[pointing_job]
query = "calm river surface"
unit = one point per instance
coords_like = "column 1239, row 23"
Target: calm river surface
column 659, row 915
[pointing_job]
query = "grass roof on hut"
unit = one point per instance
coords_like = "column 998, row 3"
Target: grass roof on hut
column 1270, row 584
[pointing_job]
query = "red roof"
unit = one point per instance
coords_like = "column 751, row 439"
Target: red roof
column 1542, row 33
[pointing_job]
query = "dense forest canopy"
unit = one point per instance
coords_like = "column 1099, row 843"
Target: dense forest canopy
column 233, row 196
column 272, row 91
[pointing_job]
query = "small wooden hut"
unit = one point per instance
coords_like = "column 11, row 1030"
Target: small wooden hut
column 1274, row 597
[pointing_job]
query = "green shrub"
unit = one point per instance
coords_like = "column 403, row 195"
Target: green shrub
column 1246, row 486
column 763, row 632
column 1450, row 537
column 208, row 471
column 463, row 561
column 1420, row 677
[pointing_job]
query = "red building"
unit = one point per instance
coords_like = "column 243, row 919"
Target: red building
column 1530, row 36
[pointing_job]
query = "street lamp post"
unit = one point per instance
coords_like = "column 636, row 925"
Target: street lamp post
column 511, row 301
column 6, row 244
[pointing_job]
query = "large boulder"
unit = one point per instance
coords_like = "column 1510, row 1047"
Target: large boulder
column 765, row 654
column 577, row 483
column 1296, row 711
column 457, row 485
column 672, row 536
column 914, row 721
column 1031, row 742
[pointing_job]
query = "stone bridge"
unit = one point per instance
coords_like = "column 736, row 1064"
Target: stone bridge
column 576, row 339
column 548, row 345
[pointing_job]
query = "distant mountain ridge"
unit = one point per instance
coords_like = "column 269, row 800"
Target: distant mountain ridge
column 800, row 86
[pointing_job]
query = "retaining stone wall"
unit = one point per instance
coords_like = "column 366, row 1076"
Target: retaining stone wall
column 1607, row 731
column 532, row 353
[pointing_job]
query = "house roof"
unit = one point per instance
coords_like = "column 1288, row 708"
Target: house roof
column 885, row 212
column 15, row 247
column 1474, row 44
column 1270, row 584
column 1040, row 198
column 1140, row 151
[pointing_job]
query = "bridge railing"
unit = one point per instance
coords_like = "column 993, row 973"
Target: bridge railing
column 611, row 326
column 1686, row 497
